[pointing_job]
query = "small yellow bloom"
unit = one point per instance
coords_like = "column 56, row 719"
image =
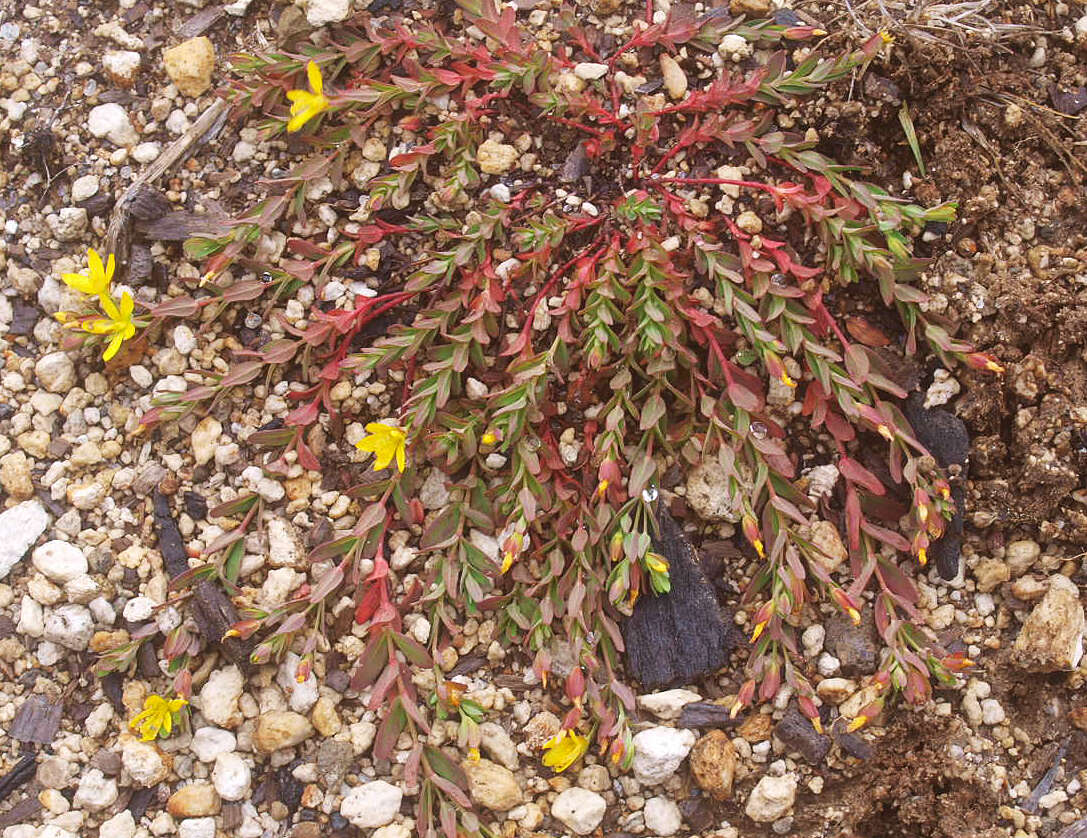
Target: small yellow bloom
column 117, row 322
column 473, row 754
column 922, row 514
column 386, row 442
column 854, row 615
column 95, row 282
column 306, row 104
column 602, row 489
column 786, row 380
column 886, row 433
column 993, row 366
column 656, row 563
column 887, row 37
column 488, row 438
column 156, row 717
column 757, row 544
column 818, row 725
column 759, row 628
column 922, row 556
column 564, row 749
column 857, row 723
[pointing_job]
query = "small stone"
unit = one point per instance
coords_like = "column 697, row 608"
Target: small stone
column 84, row 187
column 121, row 825
column 1028, row 589
column 491, row 785
column 196, row 800
column 658, row 752
column 749, row 222
column 218, row 699
column 796, row 733
column 323, row 12
column 190, row 64
column 60, row 561
column 579, row 810
column 205, row 439
column 69, row 224
column 146, row 152
column 713, row 764
column 281, row 729
column 1051, row 638
column 750, row 8
column 143, row 761
column 991, row 712
column 835, row 690
column 284, row 549
column 111, row 121
column 594, row 778
column 828, row 542
column 497, row 744
column 209, row 742
column 496, row 158
column 20, row 527
column 1021, row 555
column 589, row 71
column 540, row 729
column 15, row 476
column 675, row 80
column 325, row 718
column 70, row 626
column 990, row 574
column 662, row 816
column 196, row 828
column 707, row 492
column 372, row 805
column 857, row 648
column 95, row 792
column 55, row 372
column 772, row 798
column 667, row 705
column 231, row 776
column 121, row 66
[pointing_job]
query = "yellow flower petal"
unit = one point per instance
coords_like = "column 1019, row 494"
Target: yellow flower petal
column 114, row 346
column 313, row 73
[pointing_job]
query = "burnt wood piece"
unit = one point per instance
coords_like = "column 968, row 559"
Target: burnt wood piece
column 212, row 608
column 37, row 720
column 680, row 636
column 945, row 436
column 18, row 776
column 705, row 714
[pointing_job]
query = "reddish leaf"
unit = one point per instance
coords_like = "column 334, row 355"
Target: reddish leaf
column 854, row 471
column 862, row 330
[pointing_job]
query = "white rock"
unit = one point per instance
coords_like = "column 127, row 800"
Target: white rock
column 813, row 638
column 590, row 71
column 31, row 618
column 707, row 493
column 69, row 224
column 497, row 744
column 70, row 626
column 111, row 121
column 373, row 804
column 96, row 792
column 662, row 816
column 283, row 544
column 196, row 828
column 667, row 705
column 278, row 585
column 231, row 776
column 55, row 372
column 122, row 65
column 496, row 158
column 84, row 187
column 208, row 743
column 143, row 762
column 321, row 12
column 942, row 390
column 579, row 810
column 20, row 527
column 658, row 752
column 772, row 798
column 121, row 825
column 302, row 696
column 219, row 697
column 991, row 712
column 146, row 152
column 138, row 609
column 205, row 439
column 184, row 339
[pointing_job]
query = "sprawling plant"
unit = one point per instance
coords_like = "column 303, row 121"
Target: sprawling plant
column 642, row 287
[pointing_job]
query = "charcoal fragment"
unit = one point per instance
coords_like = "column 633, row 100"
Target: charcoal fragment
column 945, row 436
column 797, row 734
column 37, row 720
column 703, row 714
column 857, row 647
column 677, row 637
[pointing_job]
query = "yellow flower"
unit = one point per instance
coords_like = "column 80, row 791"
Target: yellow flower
column 117, row 322
column 488, row 438
column 97, row 279
column 656, row 563
column 157, row 716
column 305, row 105
column 564, row 749
column 385, row 442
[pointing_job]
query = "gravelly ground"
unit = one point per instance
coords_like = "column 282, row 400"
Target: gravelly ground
column 269, row 757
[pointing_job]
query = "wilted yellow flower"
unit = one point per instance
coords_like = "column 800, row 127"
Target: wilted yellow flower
column 306, row 104
column 564, row 749
column 97, row 279
column 157, row 716
column 117, row 322
column 656, row 563
column 385, row 442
